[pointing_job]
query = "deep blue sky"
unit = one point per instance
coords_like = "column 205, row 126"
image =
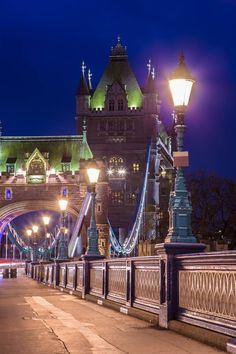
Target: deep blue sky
column 42, row 44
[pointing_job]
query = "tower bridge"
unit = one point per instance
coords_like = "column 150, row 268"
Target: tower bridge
column 180, row 287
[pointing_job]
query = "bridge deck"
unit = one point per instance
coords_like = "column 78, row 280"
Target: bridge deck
column 40, row 320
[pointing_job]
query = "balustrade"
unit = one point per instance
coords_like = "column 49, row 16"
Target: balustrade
column 198, row 288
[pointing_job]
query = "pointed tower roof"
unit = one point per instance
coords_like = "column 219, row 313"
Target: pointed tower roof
column 118, row 69
column 83, row 86
column 150, row 86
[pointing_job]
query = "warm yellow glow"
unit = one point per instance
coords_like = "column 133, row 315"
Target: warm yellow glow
column 46, row 220
column 63, row 204
column 122, row 171
column 48, row 235
column 35, row 228
column 180, row 91
column 93, row 174
column 29, row 232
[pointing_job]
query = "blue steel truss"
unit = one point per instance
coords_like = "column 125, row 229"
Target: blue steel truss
column 130, row 242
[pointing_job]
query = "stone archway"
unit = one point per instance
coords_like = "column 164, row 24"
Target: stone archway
column 13, row 210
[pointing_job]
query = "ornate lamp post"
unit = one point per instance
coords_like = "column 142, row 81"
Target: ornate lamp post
column 92, row 249
column 29, row 234
column 62, row 245
column 35, row 233
column 46, row 255
column 180, row 209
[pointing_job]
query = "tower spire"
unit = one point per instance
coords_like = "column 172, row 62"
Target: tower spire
column 90, row 79
column 149, row 66
column 118, row 50
column 153, row 73
column 83, row 67
column 83, row 86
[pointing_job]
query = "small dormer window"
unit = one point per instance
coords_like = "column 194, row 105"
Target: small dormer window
column 111, row 105
column 66, row 163
column 120, row 105
column 11, row 165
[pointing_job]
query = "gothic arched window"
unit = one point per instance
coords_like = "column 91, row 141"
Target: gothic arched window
column 111, row 105
column 120, row 105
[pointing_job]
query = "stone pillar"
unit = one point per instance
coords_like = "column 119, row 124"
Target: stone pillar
column 169, row 277
column 103, row 240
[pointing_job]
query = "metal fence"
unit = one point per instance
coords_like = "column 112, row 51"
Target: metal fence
column 198, row 288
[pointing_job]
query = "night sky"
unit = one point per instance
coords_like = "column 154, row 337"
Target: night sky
column 42, row 44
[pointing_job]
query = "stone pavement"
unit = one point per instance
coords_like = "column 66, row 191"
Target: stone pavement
column 35, row 319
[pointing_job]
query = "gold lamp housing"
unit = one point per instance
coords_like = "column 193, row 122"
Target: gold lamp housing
column 93, row 172
column 46, row 220
column 63, row 204
column 181, row 83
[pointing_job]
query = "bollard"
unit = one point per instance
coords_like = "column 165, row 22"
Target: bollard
column 13, row 272
column 6, row 273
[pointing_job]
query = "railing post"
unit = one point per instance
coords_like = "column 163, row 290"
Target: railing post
column 169, row 277
column 56, row 273
column 105, row 279
column 86, row 278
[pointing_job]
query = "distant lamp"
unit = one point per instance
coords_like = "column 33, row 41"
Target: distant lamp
column 110, row 172
column 181, row 84
column 93, row 172
column 29, row 232
column 92, row 249
column 35, row 229
column 62, row 244
column 46, row 220
column 63, row 204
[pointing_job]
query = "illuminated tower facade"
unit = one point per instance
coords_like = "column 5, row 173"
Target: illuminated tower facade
column 121, row 118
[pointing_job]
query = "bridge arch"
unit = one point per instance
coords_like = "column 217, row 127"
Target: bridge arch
column 13, row 210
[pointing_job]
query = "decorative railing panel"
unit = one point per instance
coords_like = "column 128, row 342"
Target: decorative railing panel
column 209, row 292
column 44, row 273
column 70, row 274
column 50, row 274
column 96, row 279
column 147, row 285
column 79, row 277
column 62, row 275
column 117, row 282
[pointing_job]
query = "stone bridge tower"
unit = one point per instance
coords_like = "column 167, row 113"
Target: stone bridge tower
column 36, row 170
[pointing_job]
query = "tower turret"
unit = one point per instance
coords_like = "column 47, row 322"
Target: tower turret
column 151, row 99
column 82, row 99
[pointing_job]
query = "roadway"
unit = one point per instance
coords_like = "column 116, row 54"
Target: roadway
column 35, row 319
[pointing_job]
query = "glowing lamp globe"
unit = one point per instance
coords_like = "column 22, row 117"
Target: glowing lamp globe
column 29, row 232
column 181, row 84
column 35, row 228
column 93, row 172
column 63, row 204
column 46, row 220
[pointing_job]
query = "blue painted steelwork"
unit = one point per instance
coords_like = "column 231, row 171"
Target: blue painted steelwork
column 130, row 242
column 180, row 208
column 75, row 247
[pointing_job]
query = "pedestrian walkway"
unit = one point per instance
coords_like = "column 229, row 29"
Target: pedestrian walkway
column 35, row 319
